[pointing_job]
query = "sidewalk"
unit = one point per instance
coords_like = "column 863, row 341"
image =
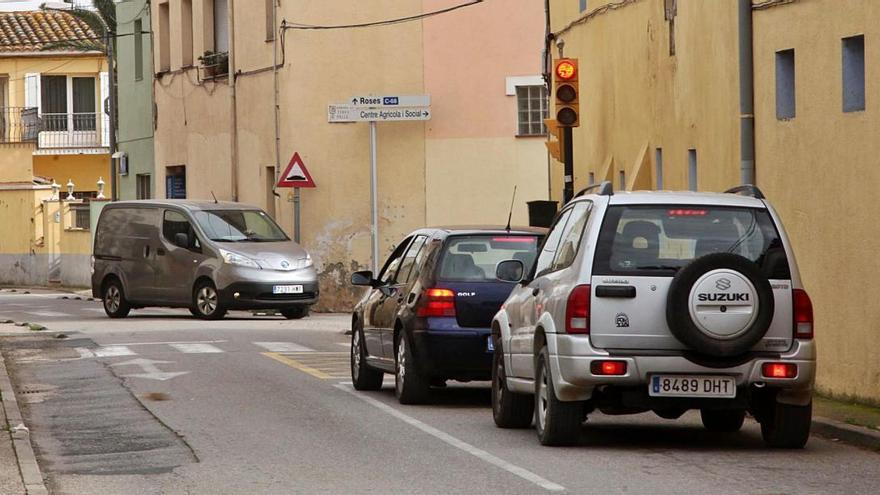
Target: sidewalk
column 10, row 477
column 848, row 422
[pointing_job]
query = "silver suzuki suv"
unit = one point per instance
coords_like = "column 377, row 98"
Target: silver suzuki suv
column 658, row 301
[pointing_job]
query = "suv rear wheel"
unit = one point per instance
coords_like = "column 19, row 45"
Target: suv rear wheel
column 557, row 422
column 723, row 420
column 410, row 386
column 510, row 410
column 787, row 426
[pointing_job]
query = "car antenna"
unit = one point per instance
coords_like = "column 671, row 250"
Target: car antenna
column 215, row 197
column 510, row 214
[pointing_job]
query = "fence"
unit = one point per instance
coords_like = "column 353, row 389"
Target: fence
column 49, row 130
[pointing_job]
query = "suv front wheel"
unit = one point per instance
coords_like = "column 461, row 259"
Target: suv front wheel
column 557, row 422
column 509, row 410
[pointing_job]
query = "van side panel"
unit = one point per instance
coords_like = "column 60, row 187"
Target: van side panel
column 125, row 246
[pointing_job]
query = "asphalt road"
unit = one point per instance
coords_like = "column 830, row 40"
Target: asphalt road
column 163, row 403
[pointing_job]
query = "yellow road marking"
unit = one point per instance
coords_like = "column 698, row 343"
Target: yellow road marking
column 297, row 365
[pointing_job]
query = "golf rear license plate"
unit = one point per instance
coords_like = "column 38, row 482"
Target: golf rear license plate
column 692, row 386
column 287, row 289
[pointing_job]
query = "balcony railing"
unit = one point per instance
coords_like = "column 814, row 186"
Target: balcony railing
column 214, row 64
column 51, row 130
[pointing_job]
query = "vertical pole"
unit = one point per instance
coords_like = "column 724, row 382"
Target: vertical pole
column 296, row 221
column 111, row 82
column 374, row 208
column 746, row 94
column 568, row 171
column 276, row 105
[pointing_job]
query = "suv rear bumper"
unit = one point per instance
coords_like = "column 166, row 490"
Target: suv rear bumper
column 571, row 356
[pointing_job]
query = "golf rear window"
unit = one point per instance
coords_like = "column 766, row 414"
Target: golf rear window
column 657, row 240
column 473, row 258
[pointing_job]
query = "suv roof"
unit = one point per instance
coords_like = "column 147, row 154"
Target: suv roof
column 680, row 198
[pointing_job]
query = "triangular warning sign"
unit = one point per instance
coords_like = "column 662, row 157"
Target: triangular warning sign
column 296, row 174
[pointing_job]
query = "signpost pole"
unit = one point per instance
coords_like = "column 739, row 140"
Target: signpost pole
column 296, row 214
column 374, row 208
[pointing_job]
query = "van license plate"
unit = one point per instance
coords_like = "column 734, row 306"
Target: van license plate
column 692, row 386
column 287, row 289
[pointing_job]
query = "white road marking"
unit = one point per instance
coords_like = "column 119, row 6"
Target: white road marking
column 85, row 353
column 283, row 347
column 194, row 348
column 451, row 440
column 96, row 310
column 151, row 371
column 344, row 344
column 113, row 351
column 176, row 342
column 48, row 314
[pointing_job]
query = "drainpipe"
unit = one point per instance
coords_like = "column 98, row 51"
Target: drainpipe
column 546, row 73
column 746, row 94
column 233, row 121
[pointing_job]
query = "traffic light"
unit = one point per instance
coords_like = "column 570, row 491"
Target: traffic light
column 565, row 76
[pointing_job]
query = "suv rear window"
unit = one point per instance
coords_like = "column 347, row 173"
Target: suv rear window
column 657, row 240
column 473, row 258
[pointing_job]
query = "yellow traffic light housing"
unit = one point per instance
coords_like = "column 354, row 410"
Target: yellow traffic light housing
column 565, row 78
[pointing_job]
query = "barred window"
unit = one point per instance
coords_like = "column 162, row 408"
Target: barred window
column 531, row 104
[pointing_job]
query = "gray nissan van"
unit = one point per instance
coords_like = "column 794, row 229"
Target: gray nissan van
column 207, row 256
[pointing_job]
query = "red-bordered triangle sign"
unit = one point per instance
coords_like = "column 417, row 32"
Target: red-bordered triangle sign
column 296, row 174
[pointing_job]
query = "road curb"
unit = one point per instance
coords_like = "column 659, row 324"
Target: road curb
column 21, row 441
column 855, row 435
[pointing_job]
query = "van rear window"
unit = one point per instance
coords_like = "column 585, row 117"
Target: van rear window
column 473, row 258
column 658, row 240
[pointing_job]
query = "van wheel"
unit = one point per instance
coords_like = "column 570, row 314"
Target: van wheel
column 557, row 422
column 295, row 313
column 787, row 426
column 723, row 421
column 509, row 410
column 206, row 301
column 115, row 304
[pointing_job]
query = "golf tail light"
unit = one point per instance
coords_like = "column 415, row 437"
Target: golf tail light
column 608, row 368
column 803, row 314
column 577, row 311
column 437, row 302
column 779, row 370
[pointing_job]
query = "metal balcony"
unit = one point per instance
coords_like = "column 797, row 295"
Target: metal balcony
column 52, row 131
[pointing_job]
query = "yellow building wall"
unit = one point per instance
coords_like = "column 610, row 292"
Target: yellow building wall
column 820, row 170
column 635, row 97
column 16, row 163
column 83, row 170
column 75, row 64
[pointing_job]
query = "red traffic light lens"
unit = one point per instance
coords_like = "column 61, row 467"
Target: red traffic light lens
column 566, row 116
column 565, row 70
column 566, row 93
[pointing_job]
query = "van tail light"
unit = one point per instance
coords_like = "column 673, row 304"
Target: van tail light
column 437, row 302
column 803, row 314
column 577, row 311
column 779, row 370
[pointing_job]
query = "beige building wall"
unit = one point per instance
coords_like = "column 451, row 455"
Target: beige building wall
column 209, row 126
column 635, row 97
column 820, row 169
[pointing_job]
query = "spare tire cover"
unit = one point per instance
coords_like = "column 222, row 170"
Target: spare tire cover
column 720, row 305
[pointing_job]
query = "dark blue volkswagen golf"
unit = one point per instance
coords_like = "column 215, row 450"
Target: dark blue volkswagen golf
column 427, row 315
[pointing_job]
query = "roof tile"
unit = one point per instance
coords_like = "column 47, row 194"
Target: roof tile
column 31, row 31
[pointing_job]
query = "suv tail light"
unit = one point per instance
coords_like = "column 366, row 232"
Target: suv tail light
column 779, row 370
column 608, row 368
column 577, row 311
column 803, row 314
column 437, row 302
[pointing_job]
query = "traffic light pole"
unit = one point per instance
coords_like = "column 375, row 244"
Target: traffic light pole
column 568, row 165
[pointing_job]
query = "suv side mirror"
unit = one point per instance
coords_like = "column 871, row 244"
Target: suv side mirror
column 363, row 278
column 510, row 271
column 181, row 240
